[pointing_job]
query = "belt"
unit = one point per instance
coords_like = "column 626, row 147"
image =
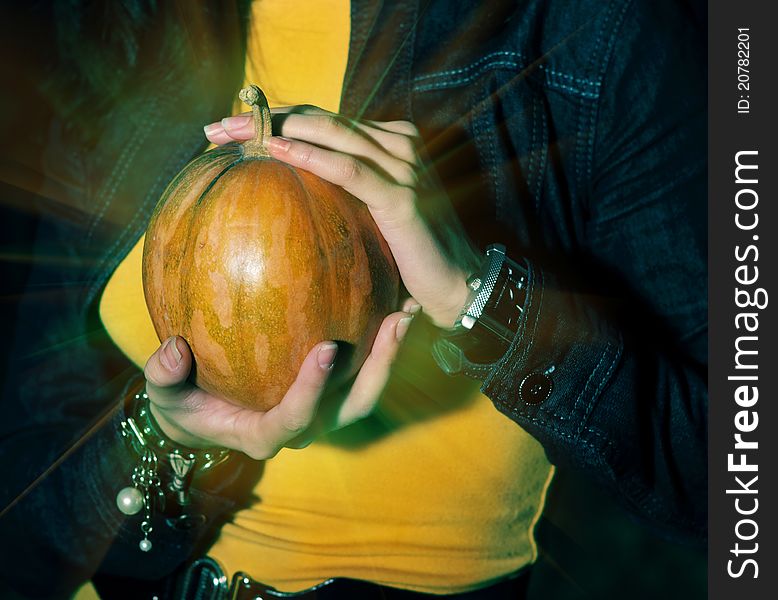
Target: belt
column 204, row 580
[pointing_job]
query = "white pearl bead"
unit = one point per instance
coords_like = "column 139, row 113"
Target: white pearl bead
column 145, row 545
column 129, row 501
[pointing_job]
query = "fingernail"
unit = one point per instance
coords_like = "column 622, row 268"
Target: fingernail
column 212, row 128
column 326, row 355
column 236, row 122
column 281, row 144
column 413, row 308
column 171, row 355
column 402, row 327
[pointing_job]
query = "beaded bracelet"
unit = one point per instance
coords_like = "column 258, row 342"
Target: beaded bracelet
column 153, row 447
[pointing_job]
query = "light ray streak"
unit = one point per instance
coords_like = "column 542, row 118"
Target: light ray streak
column 400, row 48
column 63, row 344
column 106, row 416
column 522, row 74
column 558, row 568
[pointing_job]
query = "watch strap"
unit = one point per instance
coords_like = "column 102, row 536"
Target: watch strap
column 490, row 319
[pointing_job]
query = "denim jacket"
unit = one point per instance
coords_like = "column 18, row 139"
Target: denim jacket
column 573, row 132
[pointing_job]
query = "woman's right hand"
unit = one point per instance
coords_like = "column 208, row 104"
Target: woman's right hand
column 194, row 418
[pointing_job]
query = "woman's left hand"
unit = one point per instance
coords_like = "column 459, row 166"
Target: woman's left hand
column 378, row 163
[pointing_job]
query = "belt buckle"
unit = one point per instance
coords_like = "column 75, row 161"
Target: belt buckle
column 243, row 587
column 203, row 579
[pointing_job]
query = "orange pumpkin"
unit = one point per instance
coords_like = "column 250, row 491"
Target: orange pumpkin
column 253, row 262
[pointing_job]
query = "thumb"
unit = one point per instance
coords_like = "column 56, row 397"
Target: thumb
column 169, row 366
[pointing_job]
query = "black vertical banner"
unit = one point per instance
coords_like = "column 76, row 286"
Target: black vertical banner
column 743, row 267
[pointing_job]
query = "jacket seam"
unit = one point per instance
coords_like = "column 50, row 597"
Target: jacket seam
column 119, row 171
column 582, row 394
column 464, row 80
column 603, row 381
column 533, row 291
column 409, row 56
column 541, row 420
column 121, row 246
column 481, row 133
column 518, row 55
column 588, row 88
column 536, row 317
column 584, row 118
column 483, row 59
column 543, row 154
column 534, row 147
column 618, row 22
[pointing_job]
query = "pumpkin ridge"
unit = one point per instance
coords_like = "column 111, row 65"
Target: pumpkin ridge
column 212, row 183
column 319, row 238
column 185, row 174
column 187, row 252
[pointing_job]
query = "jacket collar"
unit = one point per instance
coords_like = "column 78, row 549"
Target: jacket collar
column 378, row 76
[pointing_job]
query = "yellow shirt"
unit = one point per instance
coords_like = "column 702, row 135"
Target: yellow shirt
column 436, row 492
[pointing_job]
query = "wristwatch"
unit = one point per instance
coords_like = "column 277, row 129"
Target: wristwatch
column 488, row 321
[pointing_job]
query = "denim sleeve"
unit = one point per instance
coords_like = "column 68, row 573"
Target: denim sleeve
column 63, row 459
column 623, row 358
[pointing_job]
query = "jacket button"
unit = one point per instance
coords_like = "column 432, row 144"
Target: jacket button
column 535, row 388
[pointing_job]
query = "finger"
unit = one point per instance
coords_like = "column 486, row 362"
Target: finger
column 335, row 133
column 405, row 128
column 374, row 374
column 398, row 138
column 239, row 127
column 400, row 146
column 309, row 109
column 215, row 134
column 167, row 370
column 296, row 411
column 402, row 127
column 411, row 306
column 345, row 170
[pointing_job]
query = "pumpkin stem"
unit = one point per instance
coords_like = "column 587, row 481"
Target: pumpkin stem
column 256, row 99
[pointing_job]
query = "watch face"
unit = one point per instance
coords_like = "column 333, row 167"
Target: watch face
column 506, row 303
column 486, row 331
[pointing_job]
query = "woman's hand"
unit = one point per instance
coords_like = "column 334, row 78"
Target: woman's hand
column 378, row 163
column 192, row 417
